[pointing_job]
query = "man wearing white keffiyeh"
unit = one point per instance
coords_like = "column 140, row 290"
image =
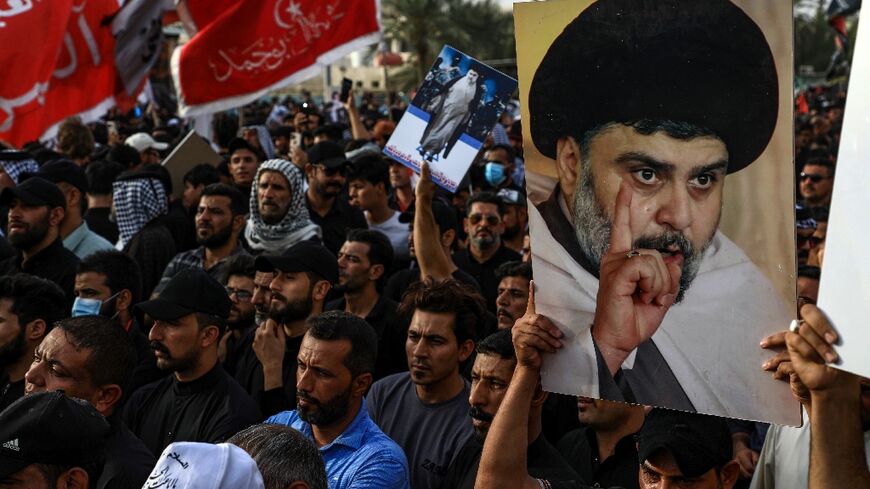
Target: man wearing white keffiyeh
column 13, row 164
column 279, row 218
column 139, row 201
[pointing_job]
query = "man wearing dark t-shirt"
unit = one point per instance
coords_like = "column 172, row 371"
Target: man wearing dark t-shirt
column 490, row 378
column 199, row 402
column 425, row 411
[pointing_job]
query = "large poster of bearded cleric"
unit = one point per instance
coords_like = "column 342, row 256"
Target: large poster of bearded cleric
column 659, row 171
column 449, row 118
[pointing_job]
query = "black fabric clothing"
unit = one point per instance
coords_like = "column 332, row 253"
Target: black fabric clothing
column 335, row 224
column 209, row 409
column 392, row 331
column 153, row 247
column 559, row 416
column 543, row 462
column 97, row 219
column 180, row 224
column 580, row 449
column 128, row 461
column 400, row 281
column 54, row 263
column 484, row 273
column 10, row 391
column 6, row 250
column 249, row 374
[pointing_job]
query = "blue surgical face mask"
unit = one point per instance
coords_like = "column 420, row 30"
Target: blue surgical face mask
column 494, row 173
column 89, row 307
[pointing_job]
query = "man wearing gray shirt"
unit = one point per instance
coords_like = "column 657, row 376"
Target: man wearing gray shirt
column 426, row 410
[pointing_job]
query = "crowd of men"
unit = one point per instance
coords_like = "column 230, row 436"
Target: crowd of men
column 311, row 314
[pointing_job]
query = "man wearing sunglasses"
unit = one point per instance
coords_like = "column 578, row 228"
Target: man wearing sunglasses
column 325, row 198
column 484, row 225
column 817, row 182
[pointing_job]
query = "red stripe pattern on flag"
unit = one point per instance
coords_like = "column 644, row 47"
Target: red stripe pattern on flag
column 254, row 46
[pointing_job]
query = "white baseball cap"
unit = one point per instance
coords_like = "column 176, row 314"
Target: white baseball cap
column 188, row 465
column 142, row 141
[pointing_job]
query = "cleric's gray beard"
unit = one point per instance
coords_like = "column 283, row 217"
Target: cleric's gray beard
column 592, row 229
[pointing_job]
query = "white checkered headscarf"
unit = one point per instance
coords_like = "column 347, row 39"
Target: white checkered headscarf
column 137, row 202
column 15, row 163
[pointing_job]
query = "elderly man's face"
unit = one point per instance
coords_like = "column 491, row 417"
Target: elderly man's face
column 677, row 194
column 273, row 196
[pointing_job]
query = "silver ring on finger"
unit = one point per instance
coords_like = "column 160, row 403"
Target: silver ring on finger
column 632, row 254
column 795, row 325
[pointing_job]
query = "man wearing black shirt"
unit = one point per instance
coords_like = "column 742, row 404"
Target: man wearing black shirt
column 490, row 378
column 327, row 207
column 604, row 450
column 199, row 402
column 485, row 251
column 362, row 264
column 36, row 208
column 91, row 358
column 304, row 273
column 29, row 307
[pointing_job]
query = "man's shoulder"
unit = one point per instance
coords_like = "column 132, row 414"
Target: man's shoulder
column 391, row 383
column 287, row 418
column 387, row 391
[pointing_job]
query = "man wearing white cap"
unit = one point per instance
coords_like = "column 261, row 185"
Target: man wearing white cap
column 148, row 148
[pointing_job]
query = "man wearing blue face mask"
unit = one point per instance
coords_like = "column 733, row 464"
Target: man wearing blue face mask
column 108, row 283
column 499, row 167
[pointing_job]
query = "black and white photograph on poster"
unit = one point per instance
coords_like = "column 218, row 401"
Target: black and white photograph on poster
column 448, row 120
column 659, row 168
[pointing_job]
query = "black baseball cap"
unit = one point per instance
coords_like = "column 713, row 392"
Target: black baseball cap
column 305, row 256
column 64, row 171
column 328, row 154
column 445, row 216
column 190, row 291
column 698, row 442
column 34, row 191
column 50, row 428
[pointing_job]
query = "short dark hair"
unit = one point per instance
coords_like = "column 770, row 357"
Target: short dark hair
column 238, row 201
column 339, row 325
column 34, row 298
column 498, row 343
column 242, row 265
column 202, row 174
column 447, row 296
column 121, row 271
column 485, row 197
column 283, row 455
column 380, row 248
column 333, row 132
column 823, row 163
column 52, row 472
column 112, row 357
column 204, row 319
column 101, row 175
column 513, row 269
column 810, row 272
column 126, row 156
column 511, row 153
column 370, row 168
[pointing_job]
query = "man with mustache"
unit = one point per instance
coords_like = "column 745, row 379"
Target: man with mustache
column 513, row 292
column 425, row 410
column 220, row 218
column 642, row 144
column 240, row 289
column 199, row 401
column 301, row 279
column 36, row 209
column 325, row 198
column 490, row 378
column 334, row 372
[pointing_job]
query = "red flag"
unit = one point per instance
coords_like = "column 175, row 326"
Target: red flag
column 802, row 106
column 281, row 42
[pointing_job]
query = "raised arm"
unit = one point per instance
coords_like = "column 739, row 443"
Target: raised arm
column 427, row 239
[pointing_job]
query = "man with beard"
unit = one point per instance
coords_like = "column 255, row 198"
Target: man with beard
column 513, row 292
column 29, row 307
column 36, row 209
column 240, row 289
column 108, row 283
column 303, row 275
column 642, row 144
column 91, row 358
column 362, row 266
column 425, row 410
column 220, row 218
column 516, row 218
column 490, row 378
column 327, row 206
column 335, row 365
column 484, row 224
column 199, row 401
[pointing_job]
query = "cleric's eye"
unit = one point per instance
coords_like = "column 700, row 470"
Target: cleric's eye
column 646, row 176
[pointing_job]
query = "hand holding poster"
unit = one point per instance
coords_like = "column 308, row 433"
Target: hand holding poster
column 447, row 121
column 658, row 157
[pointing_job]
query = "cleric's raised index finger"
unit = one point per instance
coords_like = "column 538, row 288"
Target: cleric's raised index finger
column 620, row 234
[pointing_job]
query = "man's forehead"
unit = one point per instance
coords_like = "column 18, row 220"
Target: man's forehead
column 243, row 153
column 329, row 353
column 492, row 365
column 621, row 142
column 92, row 279
column 274, row 177
column 484, row 207
column 514, row 282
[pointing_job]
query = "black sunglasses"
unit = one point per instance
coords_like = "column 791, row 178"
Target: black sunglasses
column 813, row 177
column 477, row 217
